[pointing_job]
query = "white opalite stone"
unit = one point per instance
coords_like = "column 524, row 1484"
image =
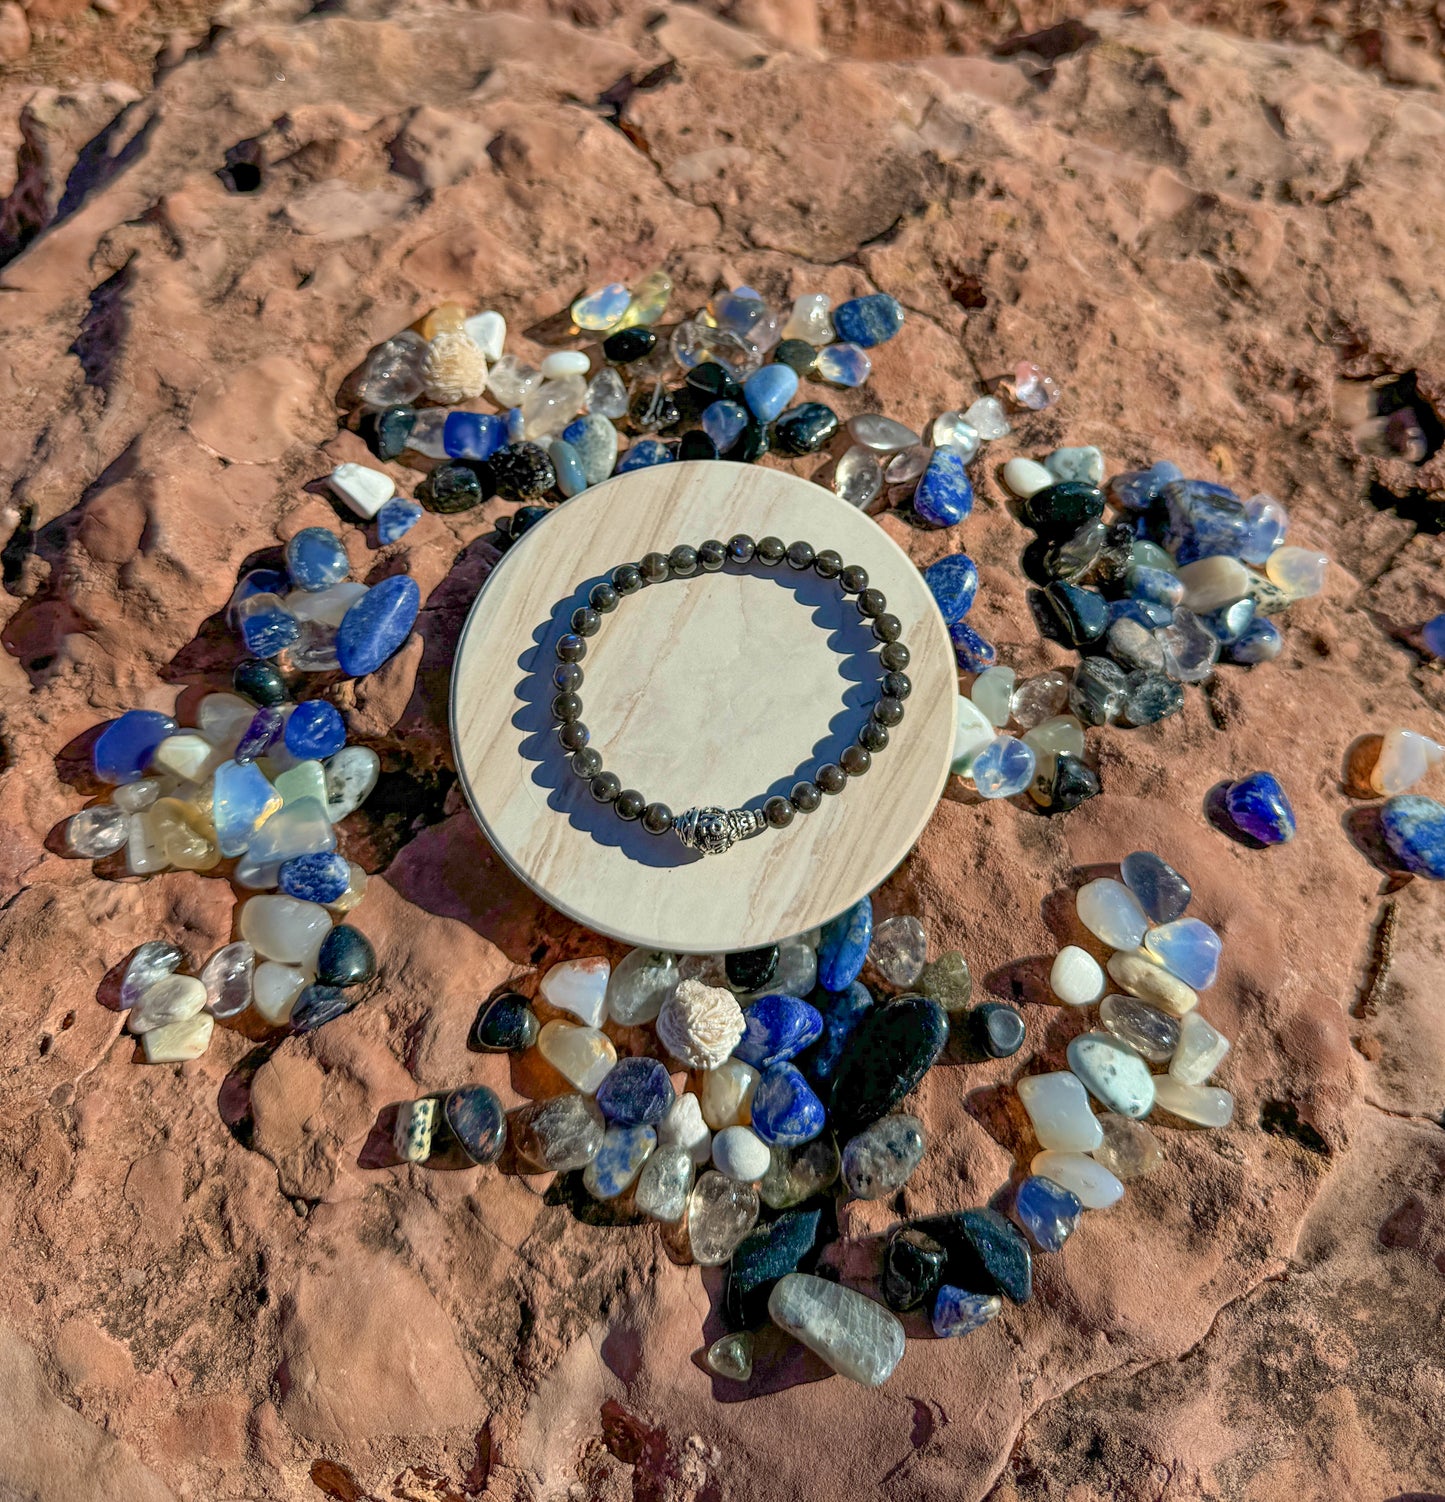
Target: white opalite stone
column 488, row 331
column 1076, row 977
column 726, row 1094
column 274, row 989
column 1111, row 912
column 1405, row 757
column 1058, row 1106
column 1112, row 1073
column 637, row 988
column 1200, row 1050
column 857, row 1337
column 684, row 1127
column 581, row 1055
column 565, row 362
column 739, row 1153
column 701, row 1025
column 579, row 987
column 1025, row 478
column 993, row 692
column 1212, row 583
column 1094, row 1185
column 365, row 490
column 1205, row 1105
column 179, row 1041
column 173, row 998
column 973, row 731
column 285, row 928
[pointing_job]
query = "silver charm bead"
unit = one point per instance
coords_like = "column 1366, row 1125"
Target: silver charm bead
column 713, row 830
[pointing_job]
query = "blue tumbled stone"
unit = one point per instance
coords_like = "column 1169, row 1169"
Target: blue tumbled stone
column 764, row 1256
column 1071, row 614
column 843, row 947
column 259, row 735
column 315, row 559
column 1230, row 623
column 785, row 1112
column 269, row 631
column 1186, row 948
column 1004, row 768
column 396, row 519
column 870, row 320
column 260, row 581
column 516, row 425
column 473, row 435
column 571, row 477
column 477, row 1121
column 1156, row 585
column 724, row 422
column 842, row 365
column 619, row 1160
column 321, row 877
column 1047, row 1211
column 379, row 622
column 1205, row 520
column 778, row 1029
column 123, row 750
column 1266, row 522
column 1259, row 642
column 1138, row 489
column 1432, row 633
column 1414, row 828
column 314, row 731
column 1148, row 613
column 841, row 1011
column 769, row 389
column 644, row 454
column 956, row 1312
column 636, row 1092
column 945, row 493
column 1162, row 892
column 318, row 1005
column 973, row 652
column 1259, row 808
column 241, row 799
column 953, row 583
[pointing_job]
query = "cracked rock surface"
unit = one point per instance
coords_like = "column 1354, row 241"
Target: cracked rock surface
column 217, row 1283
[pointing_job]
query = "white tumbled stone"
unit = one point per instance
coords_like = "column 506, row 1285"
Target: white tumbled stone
column 488, row 331
column 1058, row 1106
column 1205, row 1105
column 1199, row 1052
column 275, row 988
column 684, row 1127
column 285, row 928
column 1212, row 583
column 1094, row 1186
column 1076, row 977
column 1112, row 1073
column 855, row 1335
column 739, row 1153
column 579, row 987
column 1405, row 757
column 1111, row 912
column 581, row 1055
column 364, row 489
column 178, row 1041
column 993, row 692
column 973, row 732
column 173, row 998
column 1025, row 477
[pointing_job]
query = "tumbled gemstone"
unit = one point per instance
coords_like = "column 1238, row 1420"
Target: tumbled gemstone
column 1432, row 634
column 843, row 948
column 665, row 1183
column 971, row 650
column 1047, row 1211
column 415, row 1127
column 276, row 988
column 1110, row 911
column 857, row 1337
column 172, row 998
column 505, row 1024
column 648, row 302
column 843, row 365
column 723, row 422
column 1135, row 646
column 725, row 1094
column 299, row 828
column 392, row 372
column 995, row 1030
column 841, row 1011
column 1076, row 977
column 1258, row 806
column 1405, row 757
column 1140, row 974
column 606, row 398
column 1129, row 1149
column 1093, row 1185
column 152, row 962
column 1414, row 829
column 898, row 950
column 1004, row 767
column 377, row 625
column 243, row 801
column 972, row 732
column 315, row 559
column 97, row 832
column 228, row 977
column 956, row 1312
column 950, row 431
column 1186, row 948
column 1070, row 614
column 858, row 477
column 1205, row 1105
column 766, row 1254
column 1162, row 892
column 731, row 1356
column 720, row 1212
column 1084, row 463
column 868, row 321
column 266, row 627
column 1300, row 572
column 986, row 417
column 1024, row 477
column 944, row 496
column 178, row 1041
column 889, row 1054
column 751, row 969
column 594, row 440
column 1058, row 1107
column 363, row 489
column 618, row 1161
column 1112, row 1073
column 805, row 429
column 785, row 1112
column 1041, row 698
column 601, row 310
column 579, row 987
column 644, row 454
column 1137, row 490
column 797, row 971
column 1152, row 1034
column 1059, row 510
column 912, row 1268
column 769, row 389
column 582, row 1055
column 285, row 929
column 810, row 319
column 1150, row 697
column 983, row 1251
column 567, row 464
column 953, row 583
column 320, row 878
column 559, row 1134
column 881, row 1158
column 451, row 488
column 639, row 985
column 123, row 750
column 948, row 981
column 1200, row 1052
column 1063, row 735
column 350, row 776
column 992, row 691
column 795, row 1174
column 778, row 1028
column 1204, row 520
column 637, row 1092
column 317, row 1005
column 1073, row 783
column 881, row 434
column 477, row 1121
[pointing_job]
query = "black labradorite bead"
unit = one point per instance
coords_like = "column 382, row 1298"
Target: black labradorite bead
column 574, row 735
column 657, row 818
column 752, row 444
column 873, row 736
column 586, row 621
column 567, row 676
column 800, row 555
column 630, row 804
column 805, row 429
column 830, row 777
column 855, row 760
column 805, row 797
column 346, row 958
column 828, row 564
column 752, row 969
column 651, row 409
column 888, row 710
column 712, row 380
column 798, row 354
column 778, row 812
column 696, row 446
column 260, row 682
column 627, row 345
column 895, row 656
column 387, row 431
column 587, row 763
column 854, row 579
column 771, row 551
column 654, row 567
column 712, row 555
column 603, row 597
column 897, row 685
column 505, row 1024
column 522, row 471
column 605, row 787
column 996, row 1030
column 871, row 602
column 571, row 648
column 627, row 578
column 682, row 561
column 887, row 628
column 450, row 488
column 566, row 707
column 741, row 549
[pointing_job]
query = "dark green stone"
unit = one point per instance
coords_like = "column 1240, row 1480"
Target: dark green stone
column 912, row 1268
column 1074, row 783
column 505, row 1024
column 751, row 969
column 346, row 958
column 628, row 344
column 763, row 1256
column 805, row 429
column 386, row 432
column 260, row 682
column 753, row 444
column 1060, row 510
column 521, row 472
column 885, row 1059
column 984, row 1252
column 450, row 488
column 478, row 1122
column 714, row 382
column 696, row 446
column 797, row 353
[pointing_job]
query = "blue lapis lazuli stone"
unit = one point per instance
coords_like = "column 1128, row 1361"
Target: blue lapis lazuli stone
column 974, row 652
column 1047, row 1211
column 516, row 425
column 1259, row 642
column 842, row 1012
column 953, row 583
column 769, row 389
column 567, row 462
column 1187, row 948
column 724, row 422
column 866, row 321
column 956, row 1312
column 123, row 750
column 1414, row 829
column 945, row 493
column 258, row 737
column 1156, row 585
column 379, row 622
column 315, row 731
column 396, row 519
column 315, row 559
column 1162, row 892
column 843, row 947
column 785, row 1112
column 779, row 1028
column 1138, row 489
column 1432, row 633
column 1260, row 809
column 1205, row 520
column 473, row 435
column 269, row 631
column 636, row 1092
column 321, row 877
column 644, row 454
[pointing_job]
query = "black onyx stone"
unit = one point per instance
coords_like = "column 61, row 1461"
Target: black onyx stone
column 983, row 1252
column 712, row 380
column 752, row 969
column 1074, row 783
column 996, row 1030
column 696, row 446
column 522, row 471
column 505, row 1024
column 797, row 354
column 477, row 1121
column 1070, row 614
column 346, row 958
column 805, row 429
column 1037, row 561
column 628, row 344
column 912, row 1268
column 652, row 408
column 1149, row 697
column 1060, row 510
column 386, row 432
column 762, row 1257
column 450, row 488
column 260, row 682
column 888, row 1055
column 752, row 444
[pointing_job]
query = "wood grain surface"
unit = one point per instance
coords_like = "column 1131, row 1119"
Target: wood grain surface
column 720, row 689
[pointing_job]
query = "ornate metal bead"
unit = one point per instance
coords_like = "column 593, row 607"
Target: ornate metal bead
column 713, row 830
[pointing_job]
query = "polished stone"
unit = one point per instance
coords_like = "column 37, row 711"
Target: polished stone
column 953, row 583
column 881, row 1158
column 1025, row 477
column 1084, row 1177
column 973, row 652
column 1186, row 948
column 739, row 1153
column 731, row 1356
column 956, row 1312
column 843, row 948
column 841, row 1012
column 983, row 1251
column 1205, row 1105
column 1098, row 691
column 618, row 1161
column 1414, row 829
column 784, row 1112
column 1112, row 1073
column 1200, row 1051
column 725, row 1094
column 97, row 832
column 778, row 1028
column 579, row 987
column 559, row 1134
column 1162, row 892
column 320, row 878
column 1083, row 463
column 912, row 1268
column 639, row 984
column 1141, row 975
column 243, row 800
column 637, row 1092
column 1059, row 510
column 1152, row 1034
column 151, row 962
column 594, row 440
column 1058, row 1106
column 123, row 750
column 843, row 365
column 898, row 950
column 411, row 1137
column 683, row 1126
column 805, row 429
column 318, row 1005
column 769, row 389
column 229, row 979
column 1004, row 768
column 177, row 1042
column 314, row 731
column 644, row 454
column 948, row 981
column 720, row 1212
column 1260, row 808
column 665, row 1183
column 889, row 1054
column 601, row 310
column 858, row 476
column 1129, row 1149
column 857, row 1337
column 374, row 629
column 765, row 1255
column 475, row 1118
column 315, row 559
column 1404, row 758
column 1111, row 912
column 973, row 732
column 581, row 1055
column 796, row 1174
column 1047, row 1211
column 944, row 496
column 868, row 321
column 505, row 1024
column 1076, row 977
column 172, row 998
column 724, row 422
column 751, row 969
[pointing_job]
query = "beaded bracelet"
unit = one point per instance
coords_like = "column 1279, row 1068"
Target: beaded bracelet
column 712, row 830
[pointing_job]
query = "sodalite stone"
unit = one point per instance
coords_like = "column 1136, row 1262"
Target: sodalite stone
column 843, row 365
column 1259, row 642
column 769, row 389
column 477, row 1121
column 786, row 1113
column 1162, row 892
column 1156, row 585
column 396, row 519
column 858, row 1338
column 867, row 321
column 842, row 1012
column 619, row 1160
column 473, row 435
column 644, row 454
column 1138, row 489
column 973, row 652
column 1414, row 829
column 637, row 1092
column 889, row 1053
column 956, row 1312
column 843, row 947
column 242, row 800
column 1004, row 767
column 315, row 730
column 315, row 559
column 1048, row 1212
column 376, row 626
column 1259, row 808
column 724, row 422
column 1205, row 520
column 123, row 750
column 1186, row 948
column 320, row 878
column 953, row 583
column 778, row 1029
column 763, row 1256
column 945, row 493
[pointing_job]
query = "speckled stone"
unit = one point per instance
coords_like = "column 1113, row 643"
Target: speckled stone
column 881, row 1158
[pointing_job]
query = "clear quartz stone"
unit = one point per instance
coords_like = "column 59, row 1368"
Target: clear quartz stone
column 899, row 950
column 1200, row 1052
column 797, row 971
column 551, row 406
column 153, row 961
column 856, row 1336
column 393, row 374
column 1042, row 698
column 132, row 797
column 986, row 418
column 694, row 343
column 1190, row 648
column 229, row 978
column 665, row 1183
column 720, row 1212
column 951, row 431
column 810, row 320
column 607, row 394
column 907, row 464
column 1035, row 390
column 510, row 381
column 881, row 434
column 1152, row 1034
column 798, row 1173
column 97, row 832
column 1129, row 1149
column 731, row 1356
column 858, row 476
column 559, row 1134
column 637, row 988
column 993, row 691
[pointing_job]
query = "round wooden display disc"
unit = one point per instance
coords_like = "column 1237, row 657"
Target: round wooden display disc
column 720, row 689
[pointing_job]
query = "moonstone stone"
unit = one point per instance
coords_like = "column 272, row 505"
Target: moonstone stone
column 665, row 1183
column 882, row 1157
column 229, row 979
column 1299, row 572
column 1111, row 912
column 559, row 1134
column 731, row 1356
column 881, row 434
column 179, row 1041
column 1162, row 892
column 1025, row 478
column 973, row 732
column 1186, row 948
column 700, row 1025
column 948, row 981
column 285, row 929
column 618, row 1161
column 1058, row 1107
column 97, row 832
column 843, row 365
column 172, row 998
column 1200, row 1051
column 1076, row 977
column 1141, row 975
column 415, row 1127
column 720, row 1212
column 858, row 477
column 581, row 1055
column 899, row 950
column 579, row 987
column 1205, row 1105
column 300, row 828
column 1084, row 1177
column 810, row 320
column 857, row 1337
column 1113, row 1073
column 796, row 1174
column 1047, row 1211
column 1152, row 1034
column 986, row 418
column 1405, row 757
column 683, row 1126
column 1004, row 767
column 993, row 691
column 275, row 989
column 956, row 1312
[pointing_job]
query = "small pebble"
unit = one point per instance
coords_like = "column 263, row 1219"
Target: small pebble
column 1076, row 977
